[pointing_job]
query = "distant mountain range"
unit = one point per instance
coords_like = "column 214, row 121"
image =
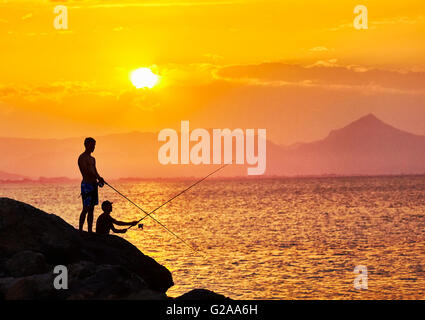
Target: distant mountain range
column 367, row 146
column 5, row 176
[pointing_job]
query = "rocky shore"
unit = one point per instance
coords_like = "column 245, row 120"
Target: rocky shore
column 33, row 243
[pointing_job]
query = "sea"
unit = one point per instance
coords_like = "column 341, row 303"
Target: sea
column 277, row 238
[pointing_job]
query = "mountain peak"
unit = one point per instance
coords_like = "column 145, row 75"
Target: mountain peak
column 366, row 123
column 369, row 119
column 369, row 127
column 366, row 146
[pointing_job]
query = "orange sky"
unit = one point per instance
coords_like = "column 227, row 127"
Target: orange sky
column 296, row 68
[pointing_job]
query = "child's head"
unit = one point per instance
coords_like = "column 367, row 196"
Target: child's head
column 107, row 206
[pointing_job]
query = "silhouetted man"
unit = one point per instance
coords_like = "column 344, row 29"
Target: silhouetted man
column 89, row 185
column 105, row 222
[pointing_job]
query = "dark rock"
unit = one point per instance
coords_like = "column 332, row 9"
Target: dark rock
column 111, row 249
column 5, row 283
column 26, row 263
column 25, row 228
column 86, row 281
column 24, row 289
column 35, row 287
column 33, row 242
column 90, row 281
column 201, row 294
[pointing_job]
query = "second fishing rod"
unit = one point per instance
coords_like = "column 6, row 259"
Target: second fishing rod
column 150, row 213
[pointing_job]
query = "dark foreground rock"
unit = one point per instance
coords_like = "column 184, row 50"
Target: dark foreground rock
column 33, row 242
column 202, row 294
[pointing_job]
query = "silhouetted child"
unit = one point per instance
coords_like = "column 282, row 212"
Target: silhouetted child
column 105, row 222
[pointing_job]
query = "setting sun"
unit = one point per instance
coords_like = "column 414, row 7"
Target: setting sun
column 144, row 78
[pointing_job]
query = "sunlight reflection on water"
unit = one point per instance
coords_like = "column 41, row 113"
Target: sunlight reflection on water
column 271, row 238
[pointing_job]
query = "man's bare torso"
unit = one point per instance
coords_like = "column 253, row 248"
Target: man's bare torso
column 87, row 165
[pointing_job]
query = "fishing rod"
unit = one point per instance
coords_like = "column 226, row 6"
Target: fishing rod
column 157, row 221
column 149, row 214
column 180, row 193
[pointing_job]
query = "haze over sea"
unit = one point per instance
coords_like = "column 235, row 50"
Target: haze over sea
column 286, row 238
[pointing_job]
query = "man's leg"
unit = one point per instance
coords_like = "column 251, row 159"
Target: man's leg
column 90, row 218
column 83, row 217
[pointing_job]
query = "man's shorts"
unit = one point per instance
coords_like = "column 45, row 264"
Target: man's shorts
column 89, row 194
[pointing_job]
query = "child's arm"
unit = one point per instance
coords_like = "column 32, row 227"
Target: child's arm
column 118, row 230
column 122, row 223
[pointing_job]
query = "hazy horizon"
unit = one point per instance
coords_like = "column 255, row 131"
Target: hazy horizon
column 364, row 147
column 177, row 127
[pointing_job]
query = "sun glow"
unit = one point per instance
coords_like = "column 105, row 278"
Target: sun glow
column 144, row 78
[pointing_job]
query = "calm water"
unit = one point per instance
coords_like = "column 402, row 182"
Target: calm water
column 272, row 239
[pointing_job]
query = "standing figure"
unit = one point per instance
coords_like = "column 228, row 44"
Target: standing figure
column 90, row 183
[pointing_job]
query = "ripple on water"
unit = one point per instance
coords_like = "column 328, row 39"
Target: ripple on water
column 272, row 238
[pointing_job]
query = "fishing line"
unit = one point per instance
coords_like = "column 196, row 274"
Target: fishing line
column 180, row 193
column 157, row 221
